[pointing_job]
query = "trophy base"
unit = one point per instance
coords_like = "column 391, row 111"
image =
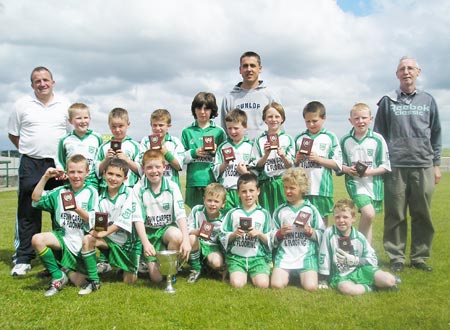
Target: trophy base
column 169, row 288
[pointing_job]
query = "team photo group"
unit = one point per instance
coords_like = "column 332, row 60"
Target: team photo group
column 258, row 203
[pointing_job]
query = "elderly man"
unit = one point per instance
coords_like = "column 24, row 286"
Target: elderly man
column 408, row 119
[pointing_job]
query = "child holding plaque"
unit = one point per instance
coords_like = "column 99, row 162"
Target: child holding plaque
column 365, row 160
column 298, row 229
column 273, row 153
column 112, row 230
column 72, row 205
column 161, row 139
column 318, row 152
column 233, row 156
column 245, row 236
column 347, row 258
column 81, row 140
column 120, row 146
column 200, row 141
column 160, row 217
column 204, row 223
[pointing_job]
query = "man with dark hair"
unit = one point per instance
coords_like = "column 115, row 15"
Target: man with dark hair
column 35, row 126
column 250, row 95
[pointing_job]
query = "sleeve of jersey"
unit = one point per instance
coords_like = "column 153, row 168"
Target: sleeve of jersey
column 256, row 154
column 125, row 218
column 138, row 207
column 268, row 229
column 178, row 207
column 226, row 229
column 290, row 150
column 46, row 201
column 218, row 160
column 385, row 162
column 92, row 207
column 318, row 225
column 191, row 222
column 188, row 154
column 60, row 161
column 324, row 255
column 336, row 152
column 179, row 152
column 368, row 256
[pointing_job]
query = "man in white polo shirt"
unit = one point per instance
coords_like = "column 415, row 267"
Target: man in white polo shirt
column 35, row 126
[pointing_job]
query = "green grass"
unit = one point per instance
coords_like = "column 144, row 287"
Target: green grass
column 422, row 302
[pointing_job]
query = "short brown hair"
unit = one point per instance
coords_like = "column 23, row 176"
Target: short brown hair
column 205, row 99
column 161, row 114
column 216, row 189
column 250, row 54
column 345, row 205
column 77, row 158
column 237, row 116
column 75, row 107
column 315, row 107
column 118, row 113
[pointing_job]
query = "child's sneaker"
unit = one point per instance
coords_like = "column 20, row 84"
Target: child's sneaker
column 103, row 267
column 143, row 268
column 20, row 269
column 89, row 287
column 56, row 285
column 193, row 276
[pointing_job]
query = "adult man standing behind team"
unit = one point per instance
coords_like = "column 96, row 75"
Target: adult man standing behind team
column 250, row 95
column 408, row 119
column 35, row 127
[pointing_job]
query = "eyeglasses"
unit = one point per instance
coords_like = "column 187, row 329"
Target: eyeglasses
column 407, row 68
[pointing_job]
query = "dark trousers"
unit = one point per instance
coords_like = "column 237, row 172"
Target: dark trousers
column 29, row 219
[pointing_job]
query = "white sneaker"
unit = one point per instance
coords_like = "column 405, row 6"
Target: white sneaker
column 103, row 267
column 193, row 276
column 143, row 268
column 89, row 287
column 20, row 269
column 57, row 285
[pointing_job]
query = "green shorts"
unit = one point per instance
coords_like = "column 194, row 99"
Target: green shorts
column 125, row 257
column 194, row 196
column 363, row 200
column 207, row 249
column 272, row 193
column 232, row 200
column 156, row 238
column 362, row 275
column 67, row 258
column 323, row 204
column 253, row 265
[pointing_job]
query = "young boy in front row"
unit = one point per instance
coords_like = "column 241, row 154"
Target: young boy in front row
column 245, row 236
column 228, row 169
column 205, row 242
column 364, row 180
column 70, row 225
column 160, row 217
column 119, row 239
column 298, row 229
column 347, row 259
column 324, row 157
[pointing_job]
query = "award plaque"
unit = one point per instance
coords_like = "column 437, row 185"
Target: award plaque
column 272, row 138
column 155, row 141
column 344, row 243
column 206, row 230
column 68, row 200
column 360, row 168
column 228, row 154
column 306, row 146
column 101, row 221
column 245, row 223
column 116, row 145
column 208, row 143
column 302, row 218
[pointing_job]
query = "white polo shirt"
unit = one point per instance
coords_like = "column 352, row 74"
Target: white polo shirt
column 39, row 126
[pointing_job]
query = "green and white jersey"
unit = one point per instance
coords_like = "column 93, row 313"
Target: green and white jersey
column 158, row 210
column 274, row 165
column 371, row 150
column 326, row 145
column 328, row 264
column 71, row 144
column 199, row 169
column 174, row 146
column 242, row 152
column 295, row 247
column 68, row 223
column 198, row 216
column 246, row 246
column 131, row 150
column 120, row 213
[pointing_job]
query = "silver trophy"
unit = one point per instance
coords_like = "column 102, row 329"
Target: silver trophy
column 168, row 265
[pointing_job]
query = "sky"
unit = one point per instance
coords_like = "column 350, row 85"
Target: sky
column 145, row 54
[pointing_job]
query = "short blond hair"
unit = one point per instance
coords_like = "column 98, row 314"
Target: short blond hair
column 77, row 107
column 160, row 115
column 118, row 113
column 360, row 107
column 296, row 176
column 345, row 205
column 217, row 190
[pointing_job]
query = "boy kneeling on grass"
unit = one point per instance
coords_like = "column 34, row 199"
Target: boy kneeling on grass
column 245, row 235
column 119, row 242
column 160, row 217
column 71, row 222
column 347, row 258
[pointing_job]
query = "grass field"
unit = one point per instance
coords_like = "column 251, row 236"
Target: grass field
column 421, row 303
